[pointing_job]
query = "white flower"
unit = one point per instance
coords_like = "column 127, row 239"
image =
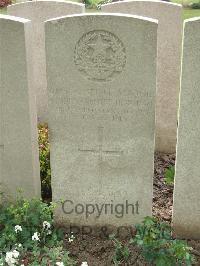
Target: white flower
column 49, row 232
column 18, row 246
column 18, row 228
column 11, row 257
column 59, row 263
column 71, row 238
column 46, row 225
column 84, row 263
column 36, row 236
column 15, row 254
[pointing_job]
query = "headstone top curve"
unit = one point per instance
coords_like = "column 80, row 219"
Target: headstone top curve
column 164, row 3
column 13, row 18
column 155, row 21
column 45, row 2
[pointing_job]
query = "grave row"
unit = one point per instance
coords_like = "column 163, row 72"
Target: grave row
column 110, row 83
column 168, row 58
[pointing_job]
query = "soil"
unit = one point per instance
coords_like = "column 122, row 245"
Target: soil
column 99, row 250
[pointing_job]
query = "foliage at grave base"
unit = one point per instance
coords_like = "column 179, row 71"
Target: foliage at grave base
column 28, row 236
column 121, row 253
column 169, row 175
column 155, row 240
column 95, row 4
column 45, row 171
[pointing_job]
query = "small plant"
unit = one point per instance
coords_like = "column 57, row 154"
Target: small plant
column 50, row 256
column 155, row 240
column 195, row 5
column 28, row 236
column 44, row 152
column 103, row 2
column 121, row 251
column 92, row 4
column 169, row 175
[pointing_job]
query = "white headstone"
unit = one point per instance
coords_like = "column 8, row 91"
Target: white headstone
column 19, row 157
column 186, row 209
column 101, row 72
column 38, row 12
column 169, row 16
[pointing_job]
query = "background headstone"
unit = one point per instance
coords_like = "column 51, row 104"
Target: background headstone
column 101, row 90
column 169, row 17
column 186, row 209
column 19, row 157
column 38, row 12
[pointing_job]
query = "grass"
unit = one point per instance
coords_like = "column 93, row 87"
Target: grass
column 3, row 11
column 188, row 12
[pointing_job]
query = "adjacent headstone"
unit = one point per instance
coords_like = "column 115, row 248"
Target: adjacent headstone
column 101, row 90
column 186, row 209
column 168, row 63
column 19, row 157
column 38, row 12
column 22, row 1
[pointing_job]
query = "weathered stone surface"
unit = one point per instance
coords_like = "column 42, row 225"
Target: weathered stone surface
column 168, row 63
column 38, row 12
column 101, row 72
column 186, row 209
column 19, row 158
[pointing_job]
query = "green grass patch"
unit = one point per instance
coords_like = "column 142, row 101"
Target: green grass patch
column 190, row 13
column 3, row 11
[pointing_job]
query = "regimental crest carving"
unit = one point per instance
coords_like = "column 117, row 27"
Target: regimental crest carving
column 100, row 55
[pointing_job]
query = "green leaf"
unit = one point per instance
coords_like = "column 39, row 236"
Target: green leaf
column 169, row 175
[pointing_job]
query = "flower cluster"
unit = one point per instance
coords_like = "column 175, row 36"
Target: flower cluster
column 47, row 226
column 84, row 263
column 59, row 263
column 18, row 228
column 12, row 257
column 29, row 238
column 71, row 238
column 36, row 236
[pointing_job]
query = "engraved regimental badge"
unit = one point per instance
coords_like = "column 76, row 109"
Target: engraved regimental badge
column 100, row 55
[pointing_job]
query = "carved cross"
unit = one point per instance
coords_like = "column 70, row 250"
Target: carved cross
column 99, row 149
